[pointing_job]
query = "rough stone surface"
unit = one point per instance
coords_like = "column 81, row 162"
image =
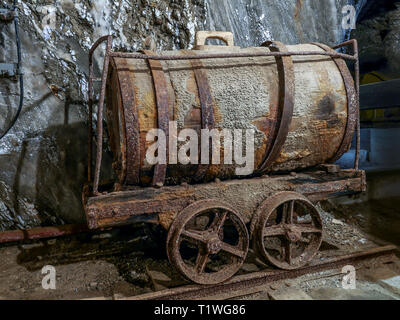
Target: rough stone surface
column 43, row 158
column 379, row 42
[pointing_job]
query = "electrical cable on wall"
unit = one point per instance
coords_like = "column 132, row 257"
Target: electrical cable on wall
column 19, row 73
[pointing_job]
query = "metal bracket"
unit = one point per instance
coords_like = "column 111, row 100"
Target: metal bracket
column 7, row 15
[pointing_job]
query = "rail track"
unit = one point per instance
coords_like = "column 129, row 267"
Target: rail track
column 256, row 282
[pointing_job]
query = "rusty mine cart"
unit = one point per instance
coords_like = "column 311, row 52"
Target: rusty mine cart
column 210, row 223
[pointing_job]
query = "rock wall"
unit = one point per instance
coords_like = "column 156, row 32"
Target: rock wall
column 378, row 35
column 43, row 158
column 290, row 22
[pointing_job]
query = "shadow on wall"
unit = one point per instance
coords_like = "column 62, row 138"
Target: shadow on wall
column 50, row 172
column 59, row 175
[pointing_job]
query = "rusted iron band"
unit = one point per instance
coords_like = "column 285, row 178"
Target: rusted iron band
column 354, row 43
column 131, row 55
column 99, row 153
column 162, row 100
column 90, row 103
column 352, row 104
column 286, row 102
column 207, row 109
column 131, row 125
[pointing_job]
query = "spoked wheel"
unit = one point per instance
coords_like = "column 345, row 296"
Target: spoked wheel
column 287, row 230
column 208, row 242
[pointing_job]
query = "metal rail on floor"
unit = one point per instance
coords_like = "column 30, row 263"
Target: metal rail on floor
column 258, row 279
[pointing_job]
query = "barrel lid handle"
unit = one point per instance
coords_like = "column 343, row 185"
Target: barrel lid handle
column 202, row 36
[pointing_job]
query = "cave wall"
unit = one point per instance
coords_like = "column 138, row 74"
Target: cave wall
column 378, row 36
column 43, row 158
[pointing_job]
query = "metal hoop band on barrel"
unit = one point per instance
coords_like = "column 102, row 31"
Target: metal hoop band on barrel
column 207, row 108
column 352, row 103
column 131, row 126
column 286, row 102
column 161, row 94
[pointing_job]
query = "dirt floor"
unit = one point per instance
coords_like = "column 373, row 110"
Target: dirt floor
column 127, row 261
column 379, row 218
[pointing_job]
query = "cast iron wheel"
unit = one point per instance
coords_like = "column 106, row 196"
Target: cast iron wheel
column 208, row 242
column 287, row 230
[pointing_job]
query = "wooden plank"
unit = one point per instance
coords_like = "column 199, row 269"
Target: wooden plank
column 380, row 95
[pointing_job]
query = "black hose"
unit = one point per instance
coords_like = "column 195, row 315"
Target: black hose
column 21, row 78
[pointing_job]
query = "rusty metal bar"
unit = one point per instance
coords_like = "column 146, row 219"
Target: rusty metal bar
column 286, row 102
column 207, row 108
column 41, row 233
column 129, row 55
column 162, row 100
column 100, row 117
column 129, row 111
column 356, row 60
column 352, row 104
column 246, row 281
column 90, row 104
column 343, row 44
column 357, row 76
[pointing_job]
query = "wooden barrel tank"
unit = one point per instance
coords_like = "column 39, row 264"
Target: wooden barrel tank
column 301, row 107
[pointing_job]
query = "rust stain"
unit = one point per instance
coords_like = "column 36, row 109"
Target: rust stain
column 268, row 123
column 213, row 171
column 116, row 128
column 296, row 18
column 148, row 112
column 264, row 124
column 290, row 156
column 177, row 194
column 145, row 180
column 193, row 118
column 217, row 113
column 105, row 222
column 165, row 219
